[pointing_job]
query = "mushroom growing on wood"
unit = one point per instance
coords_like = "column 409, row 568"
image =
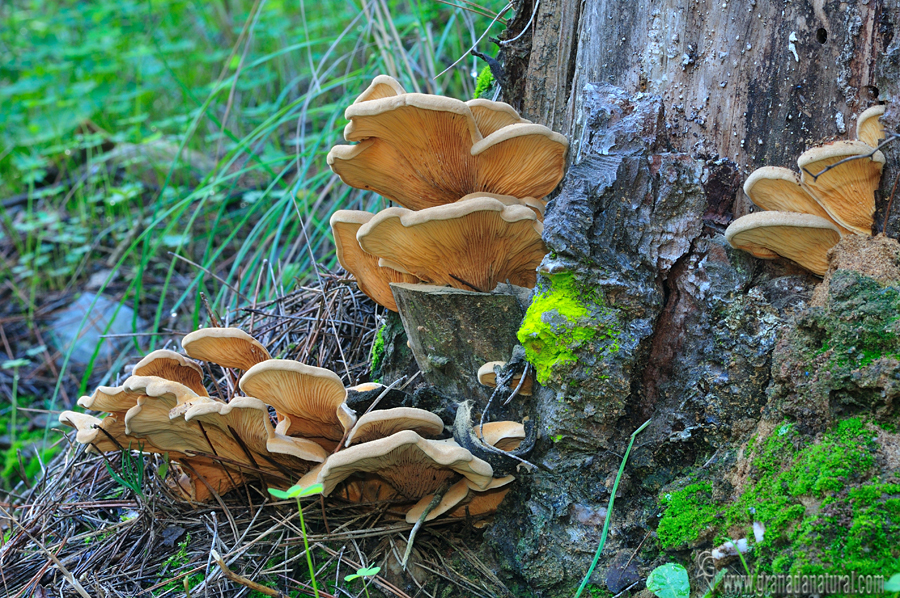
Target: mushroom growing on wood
column 471, row 245
column 384, row 422
column 425, row 150
column 373, row 280
column 462, row 499
column 778, row 189
column 412, row 465
column 309, row 401
column 172, row 366
column 488, row 377
column 227, row 347
column 803, row 238
column 869, row 129
column 847, row 191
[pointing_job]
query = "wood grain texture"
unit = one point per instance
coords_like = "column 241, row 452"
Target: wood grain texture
column 731, row 85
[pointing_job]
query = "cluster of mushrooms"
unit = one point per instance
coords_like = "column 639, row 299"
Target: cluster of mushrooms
column 471, row 177
column 396, row 454
column 805, row 215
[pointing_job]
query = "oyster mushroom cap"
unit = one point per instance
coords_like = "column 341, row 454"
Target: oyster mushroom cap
column 536, row 205
column 504, row 435
column 172, row 366
column 381, row 423
column 847, row 191
column 156, row 387
column 488, row 377
column 248, row 418
column 412, row 465
column 869, row 128
column 424, row 150
column 308, row 399
column 803, row 238
column 492, row 116
column 372, row 279
column 228, row 347
column 778, row 189
column 111, row 399
column 479, row 241
column 480, row 501
column 99, row 433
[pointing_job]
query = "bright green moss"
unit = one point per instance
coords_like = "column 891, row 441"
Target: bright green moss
column 484, row 82
column 688, row 512
column 822, row 510
column 376, row 355
column 560, row 320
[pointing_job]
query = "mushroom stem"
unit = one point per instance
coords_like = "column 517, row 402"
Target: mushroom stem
column 435, row 501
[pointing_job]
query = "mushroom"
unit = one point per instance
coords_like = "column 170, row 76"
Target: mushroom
column 384, row 422
column 101, row 434
column 471, row 244
column 869, row 128
column 172, row 366
column 488, row 377
column 247, row 418
column 491, row 116
column 778, row 189
column 536, row 205
column 504, row 435
column 424, row 150
column 373, row 280
column 462, row 499
column 111, row 399
column 412, row 465
column 228, row 347
column 847, row 191
column 309, row 401
column 803, row 238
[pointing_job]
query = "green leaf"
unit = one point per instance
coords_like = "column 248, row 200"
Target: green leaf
column 364, row 572
column 296, row 491
column 669, row 581
column 14, row 363
column 893, row 584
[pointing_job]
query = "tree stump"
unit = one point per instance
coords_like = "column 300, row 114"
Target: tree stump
column 453, row 332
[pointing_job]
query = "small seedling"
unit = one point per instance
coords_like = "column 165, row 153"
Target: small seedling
column 365, row 573
column 132, row 471
column 299, row 492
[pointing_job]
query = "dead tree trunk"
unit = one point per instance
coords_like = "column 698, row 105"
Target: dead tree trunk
column 668, row 105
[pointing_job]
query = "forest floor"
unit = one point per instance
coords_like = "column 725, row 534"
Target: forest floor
column 156, row 159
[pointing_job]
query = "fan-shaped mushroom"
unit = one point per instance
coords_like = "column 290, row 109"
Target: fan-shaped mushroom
column 869, row 128
column 803, row 238
column 424, row 150
column 473, row 244
column 412, row 465
column 847, row 191
column 384, row 422
column 488, row 377
column 172, row 366
column 373, row 280
column 778, row 189
column 309, row 400
column 228, row 347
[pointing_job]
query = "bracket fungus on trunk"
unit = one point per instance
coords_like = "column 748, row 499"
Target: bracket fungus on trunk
column 227, row 347
column 473, row 244
column 803, row 238
column 869, row 128
column 424, row 150
column 373, row 279
column 807, row 214
column 847, row 191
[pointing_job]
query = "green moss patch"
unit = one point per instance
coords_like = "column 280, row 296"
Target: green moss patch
column 689, row 512
column 484, row 82
column 823, row 508
column 561, row 319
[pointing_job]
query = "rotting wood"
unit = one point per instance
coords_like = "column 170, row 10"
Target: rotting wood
column 474, row 328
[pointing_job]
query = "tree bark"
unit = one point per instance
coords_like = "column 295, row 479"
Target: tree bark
column 668, row 106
